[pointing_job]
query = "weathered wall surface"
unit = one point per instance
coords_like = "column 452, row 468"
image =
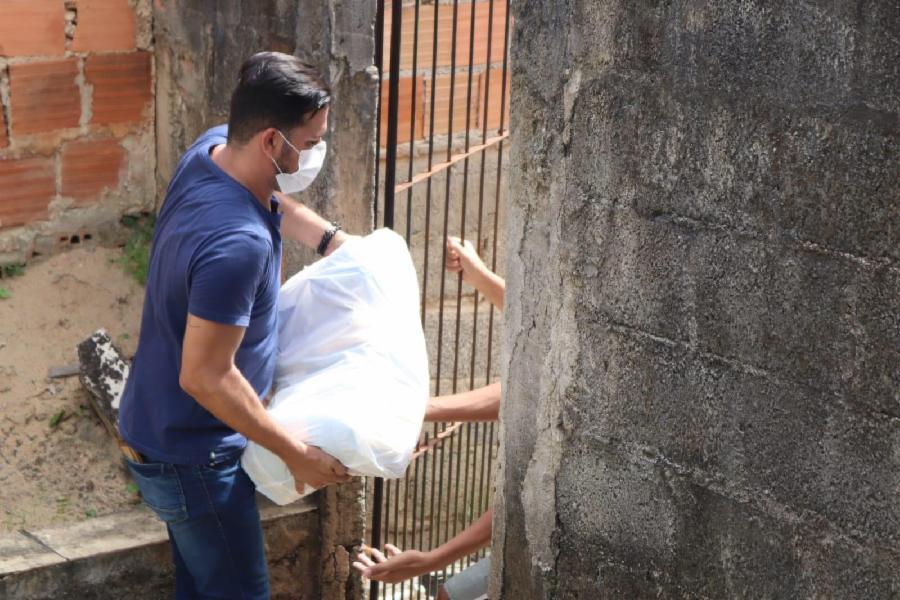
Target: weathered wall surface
column 76, row 121
column 702, row 380
column 200, row 46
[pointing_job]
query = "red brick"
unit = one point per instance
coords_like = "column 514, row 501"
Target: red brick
column 32, row 27
column 404, row 109
column 495, row 93
column 445, row 35
column 43, row 96
column 441, row 87
column 104, row 25
column 122, row 86
column 4, row 137
column 28, row 185
column 88, row 167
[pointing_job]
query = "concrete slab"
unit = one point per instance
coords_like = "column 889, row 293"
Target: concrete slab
column 104, row 535
column 19, row 552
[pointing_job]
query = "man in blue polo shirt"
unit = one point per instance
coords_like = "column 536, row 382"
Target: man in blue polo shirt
column 208, row 341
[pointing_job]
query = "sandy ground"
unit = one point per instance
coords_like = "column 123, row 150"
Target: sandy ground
column 51, row 475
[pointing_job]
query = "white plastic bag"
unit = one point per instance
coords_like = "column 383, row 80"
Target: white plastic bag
column 352, row 372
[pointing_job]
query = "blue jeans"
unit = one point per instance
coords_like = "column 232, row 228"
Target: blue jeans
column 214, row 528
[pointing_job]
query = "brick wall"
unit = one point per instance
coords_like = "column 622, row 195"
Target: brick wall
column 426, row 76
column 76, row 120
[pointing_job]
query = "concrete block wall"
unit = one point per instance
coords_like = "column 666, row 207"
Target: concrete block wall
column 76, row 121
column 702, row 344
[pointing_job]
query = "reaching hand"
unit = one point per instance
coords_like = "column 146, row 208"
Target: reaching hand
column 396, row 567
column 317, row 469
column 462, row 256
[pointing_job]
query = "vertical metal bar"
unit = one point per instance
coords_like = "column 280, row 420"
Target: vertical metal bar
column 449, row 460
column 407, row 526
column 433, row 486
column 412, row 123
column 421, row 544
column 390, row 165
column 465, row 189
column 490, row 442
column 484, row 130
column 447, row 178
column 388, row 484
column 379, row 64
column 498, row 183
column 434, row 54
column 377, row 503
column 379, row 61
column 462, row 234
column 394, row 538
column 390, row 176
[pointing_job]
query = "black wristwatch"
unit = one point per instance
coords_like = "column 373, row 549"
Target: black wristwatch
column 326, row 238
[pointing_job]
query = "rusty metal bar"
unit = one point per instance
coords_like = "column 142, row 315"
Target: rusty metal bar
column 447, row 180
column 434, row 54
column 412, row 124
column 390, row 177
column 422, row 508
column 379, row 65
column 432, row 171
column 390, row 164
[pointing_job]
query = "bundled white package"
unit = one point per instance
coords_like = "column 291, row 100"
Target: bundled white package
column 352, row 372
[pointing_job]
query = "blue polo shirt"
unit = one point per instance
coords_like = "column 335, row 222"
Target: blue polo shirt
column 216, row 254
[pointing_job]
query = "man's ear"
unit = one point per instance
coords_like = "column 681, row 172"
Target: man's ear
column 268, row 140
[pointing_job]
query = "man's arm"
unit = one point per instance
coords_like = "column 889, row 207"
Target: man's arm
column 399, row 566
column 480, row 404
column 305, row 225
column 209, row 375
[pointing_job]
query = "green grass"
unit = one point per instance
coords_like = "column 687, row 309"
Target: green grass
column 12, row 270
column 136, row 253
column 8, row 272
column 57, row 417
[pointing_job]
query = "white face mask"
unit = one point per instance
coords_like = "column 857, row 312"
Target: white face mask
column 308, row 168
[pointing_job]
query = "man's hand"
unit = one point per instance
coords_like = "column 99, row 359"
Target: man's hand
column 315, row 468
column 396, row 567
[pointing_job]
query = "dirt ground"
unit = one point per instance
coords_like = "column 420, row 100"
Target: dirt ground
column 55, row 473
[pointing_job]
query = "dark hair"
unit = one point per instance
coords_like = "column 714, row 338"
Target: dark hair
column 274, row 90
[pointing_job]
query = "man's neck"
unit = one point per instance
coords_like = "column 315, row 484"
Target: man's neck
column 229, row 159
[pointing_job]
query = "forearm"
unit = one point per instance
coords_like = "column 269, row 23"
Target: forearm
column 481, row 404
column 471, row 539
column 491, row 286
column 304, row 224
column 232, row 400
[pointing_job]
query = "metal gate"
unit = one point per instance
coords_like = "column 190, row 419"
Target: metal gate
column 442, row 175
